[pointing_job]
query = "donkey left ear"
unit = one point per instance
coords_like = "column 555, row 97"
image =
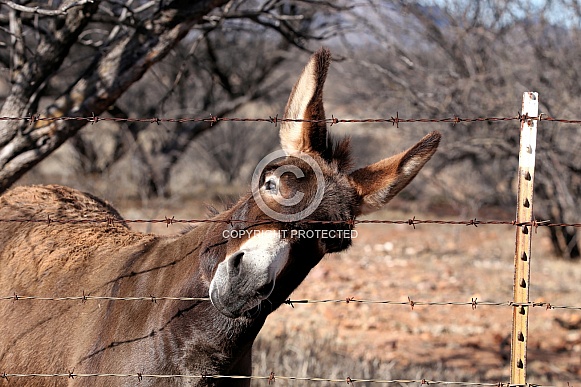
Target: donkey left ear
column 378, row 183
column 306, row 103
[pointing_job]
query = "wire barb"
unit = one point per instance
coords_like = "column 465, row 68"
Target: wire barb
column 273, row 120
column 33, row 119
column 395, row 121
column 472, row 222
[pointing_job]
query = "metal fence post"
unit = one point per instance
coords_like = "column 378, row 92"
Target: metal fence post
column 522, row 257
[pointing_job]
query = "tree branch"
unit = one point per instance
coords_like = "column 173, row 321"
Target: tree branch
column 45, row 12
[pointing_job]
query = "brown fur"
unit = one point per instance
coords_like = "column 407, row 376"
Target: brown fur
column 70, row 258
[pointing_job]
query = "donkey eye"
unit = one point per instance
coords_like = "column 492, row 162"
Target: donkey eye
column 270, row 185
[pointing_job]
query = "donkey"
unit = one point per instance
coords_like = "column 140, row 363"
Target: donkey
column 242, row 265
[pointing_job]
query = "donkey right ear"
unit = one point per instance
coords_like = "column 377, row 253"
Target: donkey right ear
column 306, row 103
column 378, row 183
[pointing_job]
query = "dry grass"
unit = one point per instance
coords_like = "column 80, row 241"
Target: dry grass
column 310, row 355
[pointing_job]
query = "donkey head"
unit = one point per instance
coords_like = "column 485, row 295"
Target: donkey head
column 303, row 198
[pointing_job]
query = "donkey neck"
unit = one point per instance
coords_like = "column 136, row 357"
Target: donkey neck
column 202, row 340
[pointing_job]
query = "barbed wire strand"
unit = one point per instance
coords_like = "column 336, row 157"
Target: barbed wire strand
column 473, row 303
column 395, row 121
column 410, row 222
column 271, row 378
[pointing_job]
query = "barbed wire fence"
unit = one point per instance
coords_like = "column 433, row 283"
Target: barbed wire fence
column 523, row 224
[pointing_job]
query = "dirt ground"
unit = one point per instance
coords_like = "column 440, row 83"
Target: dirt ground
column 441, row 264
column 434, row 263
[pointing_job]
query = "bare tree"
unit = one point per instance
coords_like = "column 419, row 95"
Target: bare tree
column 79, row 57
column 476, row 58
column 123, row 57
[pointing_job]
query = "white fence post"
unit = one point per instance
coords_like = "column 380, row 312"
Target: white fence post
column 522, row 257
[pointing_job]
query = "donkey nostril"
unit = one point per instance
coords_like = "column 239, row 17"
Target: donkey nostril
column 265, row 290
column 235, row 264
